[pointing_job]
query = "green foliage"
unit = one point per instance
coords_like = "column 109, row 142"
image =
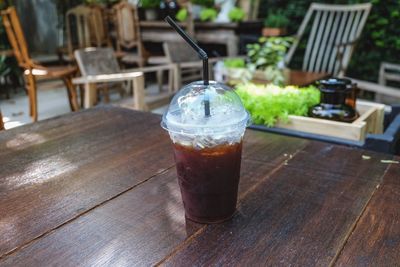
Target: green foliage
column 204, row 3
column 276, row 19
column 270, row 103
column 182, row 15
column 236, row 14
column 235, row 63
column 268, row 52
column 380, row 40
column 147, row 4
column 208, row 14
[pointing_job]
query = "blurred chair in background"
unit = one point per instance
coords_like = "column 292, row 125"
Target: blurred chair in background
column 334, row 32
column 32, row 70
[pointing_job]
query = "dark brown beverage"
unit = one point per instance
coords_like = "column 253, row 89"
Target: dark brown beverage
column 209, row 179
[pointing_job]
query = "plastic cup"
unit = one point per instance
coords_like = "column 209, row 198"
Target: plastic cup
column 207, row 149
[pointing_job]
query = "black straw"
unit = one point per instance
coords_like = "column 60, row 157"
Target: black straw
column 202, row 54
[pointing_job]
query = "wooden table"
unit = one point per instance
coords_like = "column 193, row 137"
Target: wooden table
column 205, row 32
column 99, row 187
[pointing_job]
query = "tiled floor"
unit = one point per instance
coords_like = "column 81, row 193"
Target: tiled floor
column 52, row 102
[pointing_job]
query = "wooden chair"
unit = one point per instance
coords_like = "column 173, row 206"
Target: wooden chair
column 128, row 36
column 126, row 23
column 99, row 65
column 32, row 70
column 187, row 66
column 388, row 72
column 181, row 54
column 335, row 30
column 86, row 27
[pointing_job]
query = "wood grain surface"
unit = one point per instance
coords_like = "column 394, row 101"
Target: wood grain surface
column 376, row 239
column 62, row 168
column 99, row 188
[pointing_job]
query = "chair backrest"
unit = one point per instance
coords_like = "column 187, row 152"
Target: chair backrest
column 126, row 22
column 16, row 37
column 98, row 23
column 178, row 52
column 389, row 72
column 95, row 61
column 334, row 32
column 86, row 27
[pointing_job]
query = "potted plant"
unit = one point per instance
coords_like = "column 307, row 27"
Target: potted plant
column 208, row 14
column 275, row 24
column 150, row 7
column 236, row 14
column 266, row 58
column 198, row 5
column 182, row 14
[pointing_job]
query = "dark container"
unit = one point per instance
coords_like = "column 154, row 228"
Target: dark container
column 338, row 98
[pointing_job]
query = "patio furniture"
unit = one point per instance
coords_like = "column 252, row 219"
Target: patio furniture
column 126, row 22
column 99, row 66
column 32, row 70
column 101, row 187
column 334, row 32
column 182, row 55
column 86, row 28
column 128, row 36
column 388, row 72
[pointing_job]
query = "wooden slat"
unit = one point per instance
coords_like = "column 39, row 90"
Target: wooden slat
column 310, row 43
column 376, row 238
column 330, row 43
column 298, row 216
column 333, row 57
column 144, row 224
column 322, row 53
column 345, row 39
column 55, row 170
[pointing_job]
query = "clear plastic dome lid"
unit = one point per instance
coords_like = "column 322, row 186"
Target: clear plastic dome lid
column 187, row 112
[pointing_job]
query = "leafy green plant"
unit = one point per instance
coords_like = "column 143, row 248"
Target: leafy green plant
column 182, row 15
column 235, row 63
column 148, row 4
column 268, row 52
column 276, row 20
column 270, row 103
column 236, row 14
column 208, row 14
column 204, row 3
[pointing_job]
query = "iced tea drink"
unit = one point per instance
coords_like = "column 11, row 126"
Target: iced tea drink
column 207, row 148
column 208, row 179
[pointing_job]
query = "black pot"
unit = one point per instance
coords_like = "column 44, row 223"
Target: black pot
column 334, row 93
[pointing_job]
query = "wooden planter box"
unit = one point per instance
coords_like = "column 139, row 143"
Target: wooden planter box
column 370, row 121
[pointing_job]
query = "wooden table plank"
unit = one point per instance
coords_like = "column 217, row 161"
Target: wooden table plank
column 300, row 216
column 148, row 219
column 376, row 238
column 53, row 171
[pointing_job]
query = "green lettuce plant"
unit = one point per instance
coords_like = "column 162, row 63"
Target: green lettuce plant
column 236, row 14
column 270, row 103
column 208, row 14
column 182, row 15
